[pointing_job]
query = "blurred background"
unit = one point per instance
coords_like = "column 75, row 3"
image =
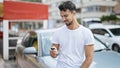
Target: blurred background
column 88, row 12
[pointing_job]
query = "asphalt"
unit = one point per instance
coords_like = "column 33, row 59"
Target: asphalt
column 1, row 63
column 8, row 63
column 29, row 62
column 11, row 63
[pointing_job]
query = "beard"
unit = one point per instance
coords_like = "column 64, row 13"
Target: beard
column 68, row 24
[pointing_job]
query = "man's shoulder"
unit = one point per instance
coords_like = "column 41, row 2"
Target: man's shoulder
column 84, row 28
column 59, row 30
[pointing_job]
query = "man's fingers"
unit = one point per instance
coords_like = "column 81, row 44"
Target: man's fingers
column 53, row 53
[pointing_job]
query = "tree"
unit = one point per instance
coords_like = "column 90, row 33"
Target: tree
column 110, row 18
column 113, row 17
column 105, row 18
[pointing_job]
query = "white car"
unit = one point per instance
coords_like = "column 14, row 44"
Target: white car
column 109, row 34
column 39, row 44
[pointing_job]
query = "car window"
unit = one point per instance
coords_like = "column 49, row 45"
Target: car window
column 46, row 43
column 95, row 31
column 30, row 39
column 115, row 31
column 99, row 31
column 25, row 39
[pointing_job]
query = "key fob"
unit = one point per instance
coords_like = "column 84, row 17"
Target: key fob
column 52, row 48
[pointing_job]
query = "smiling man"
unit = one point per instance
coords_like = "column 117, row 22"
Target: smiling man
column 73, row 42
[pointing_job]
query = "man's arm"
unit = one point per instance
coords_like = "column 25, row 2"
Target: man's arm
column 89, row 51
column 54, row 51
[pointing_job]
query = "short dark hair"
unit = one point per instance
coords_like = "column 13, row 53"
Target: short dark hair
column 67, row 5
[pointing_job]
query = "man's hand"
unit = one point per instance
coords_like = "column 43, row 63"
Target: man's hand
column 53, row 52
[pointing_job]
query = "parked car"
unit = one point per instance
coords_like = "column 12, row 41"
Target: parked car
column 103, row 56
column 108, row 34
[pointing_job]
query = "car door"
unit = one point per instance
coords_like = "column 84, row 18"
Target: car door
column 27, row 60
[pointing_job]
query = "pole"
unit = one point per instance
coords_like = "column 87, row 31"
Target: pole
column 45, row 24
column 81, row 12
column 5, row 40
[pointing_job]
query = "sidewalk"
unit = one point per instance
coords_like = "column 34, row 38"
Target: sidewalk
column 1, row 63
column 7, row 63
column 10, row 64
column 27, row 62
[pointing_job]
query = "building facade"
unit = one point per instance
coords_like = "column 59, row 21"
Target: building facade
column 117, row 9
column 87, row 10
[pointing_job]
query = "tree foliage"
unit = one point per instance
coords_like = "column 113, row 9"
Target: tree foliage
column 109, row 18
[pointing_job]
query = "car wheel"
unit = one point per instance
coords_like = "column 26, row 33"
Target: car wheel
column 115, row 48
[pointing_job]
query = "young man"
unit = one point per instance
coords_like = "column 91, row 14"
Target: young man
column 73, row 42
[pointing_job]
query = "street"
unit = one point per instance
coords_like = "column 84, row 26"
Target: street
column 7, row 63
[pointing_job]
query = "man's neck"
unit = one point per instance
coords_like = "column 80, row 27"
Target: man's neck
column 74, row 26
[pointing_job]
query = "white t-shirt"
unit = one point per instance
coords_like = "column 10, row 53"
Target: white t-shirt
column 72, row 45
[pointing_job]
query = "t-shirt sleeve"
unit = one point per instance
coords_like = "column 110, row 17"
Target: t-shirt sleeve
column 55, row 38
column 89, row 39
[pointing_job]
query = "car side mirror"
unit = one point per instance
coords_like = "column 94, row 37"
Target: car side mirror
column 19, row 41
column 30, row 50
column 107, row 35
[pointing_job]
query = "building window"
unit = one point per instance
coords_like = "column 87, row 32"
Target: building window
column 108, row 9
column 92, row 9
column 89, row 9
column 98, row 8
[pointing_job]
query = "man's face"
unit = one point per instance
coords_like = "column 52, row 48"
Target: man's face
column 67, row 17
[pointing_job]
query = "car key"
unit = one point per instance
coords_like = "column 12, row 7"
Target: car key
column 52, row 48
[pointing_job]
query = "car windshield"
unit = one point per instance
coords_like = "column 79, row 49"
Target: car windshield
column 46, row 43
column 115, row 31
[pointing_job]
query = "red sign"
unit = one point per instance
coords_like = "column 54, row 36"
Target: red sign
column 15, row 10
